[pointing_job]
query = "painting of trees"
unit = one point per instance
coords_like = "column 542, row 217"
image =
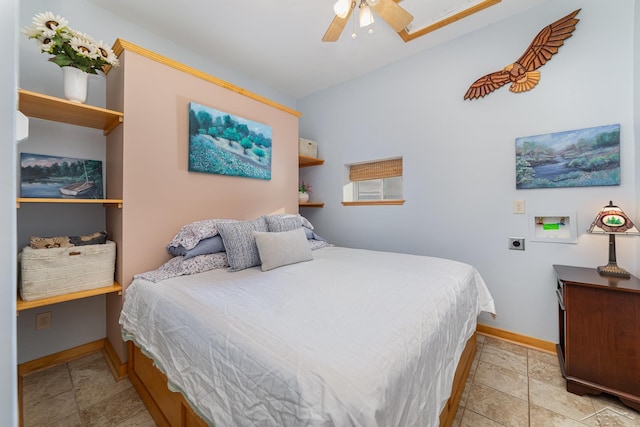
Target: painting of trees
column 225, row 144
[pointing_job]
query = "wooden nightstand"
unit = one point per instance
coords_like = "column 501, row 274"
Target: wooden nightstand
column 599, row 320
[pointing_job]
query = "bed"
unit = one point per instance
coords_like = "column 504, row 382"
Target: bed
column 351, row 338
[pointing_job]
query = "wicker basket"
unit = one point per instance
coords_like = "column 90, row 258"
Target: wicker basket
column 57, row 271
column 307, row 147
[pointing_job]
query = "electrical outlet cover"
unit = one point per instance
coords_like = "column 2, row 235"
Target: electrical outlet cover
column 516, row 243
column 43, row 321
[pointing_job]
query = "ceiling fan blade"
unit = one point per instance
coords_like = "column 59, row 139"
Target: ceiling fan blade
column 394, row 15
column 337, row 25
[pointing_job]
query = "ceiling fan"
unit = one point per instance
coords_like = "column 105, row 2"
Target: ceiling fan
column 394, row 15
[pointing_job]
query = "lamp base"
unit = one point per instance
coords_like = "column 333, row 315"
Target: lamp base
column 612, row 269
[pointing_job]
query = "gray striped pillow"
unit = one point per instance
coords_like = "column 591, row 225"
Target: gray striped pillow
column 240, row 243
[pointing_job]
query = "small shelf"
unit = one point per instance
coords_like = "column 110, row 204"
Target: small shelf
column 304, row 161
column 26, row 305
column 104, row 202
column 47, row 107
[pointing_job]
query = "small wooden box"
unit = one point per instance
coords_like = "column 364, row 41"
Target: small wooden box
column 307, row 147
column 57, row 271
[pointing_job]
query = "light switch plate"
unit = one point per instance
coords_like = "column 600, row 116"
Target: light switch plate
column 519, row 206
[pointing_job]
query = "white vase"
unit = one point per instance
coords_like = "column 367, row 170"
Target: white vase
column 75, row 84
column 303, row 197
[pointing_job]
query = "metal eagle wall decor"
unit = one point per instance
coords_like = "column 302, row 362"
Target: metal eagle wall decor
column 522, row 74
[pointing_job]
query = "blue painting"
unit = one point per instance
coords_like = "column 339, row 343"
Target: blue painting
column 576, row 158
column 43, row 176
column 224, row 144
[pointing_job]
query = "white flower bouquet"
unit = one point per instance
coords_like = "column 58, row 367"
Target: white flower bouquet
column 69, row 48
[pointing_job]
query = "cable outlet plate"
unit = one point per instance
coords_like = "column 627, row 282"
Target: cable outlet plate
column 516, row 243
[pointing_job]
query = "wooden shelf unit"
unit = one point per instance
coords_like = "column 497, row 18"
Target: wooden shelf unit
column 50, row 108
column 26, row 305
column 47, row 107
column 311, row 204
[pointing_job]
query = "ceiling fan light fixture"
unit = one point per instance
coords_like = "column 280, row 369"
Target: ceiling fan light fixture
column 366, row 16
column 341, row 8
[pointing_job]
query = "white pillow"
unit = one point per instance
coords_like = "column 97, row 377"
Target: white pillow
column 282, row 248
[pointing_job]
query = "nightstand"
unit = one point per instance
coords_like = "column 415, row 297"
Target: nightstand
column 599, row 321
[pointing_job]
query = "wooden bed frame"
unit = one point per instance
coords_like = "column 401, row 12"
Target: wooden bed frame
column 170, row 409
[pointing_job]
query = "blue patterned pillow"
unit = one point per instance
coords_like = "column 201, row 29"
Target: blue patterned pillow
column 305, row 221
column 240, row 243
column 279, row 223
column 191, row 234
column 211, row 245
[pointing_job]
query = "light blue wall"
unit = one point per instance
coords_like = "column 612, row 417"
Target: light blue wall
column 8, row 75
column 459, row 173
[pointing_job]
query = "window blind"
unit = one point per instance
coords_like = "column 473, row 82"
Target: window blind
column 375, row 170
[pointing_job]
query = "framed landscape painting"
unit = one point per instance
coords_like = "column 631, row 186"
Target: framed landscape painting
column 220, row 143
column 43, row 176
column 577, row 158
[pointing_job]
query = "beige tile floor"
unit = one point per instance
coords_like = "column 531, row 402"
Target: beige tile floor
column 81, row 393
column 512, row 385
column 509, row 385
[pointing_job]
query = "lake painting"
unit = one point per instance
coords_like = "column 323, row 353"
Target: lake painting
column 576, row 158
column 43, row 176
column 220, row 143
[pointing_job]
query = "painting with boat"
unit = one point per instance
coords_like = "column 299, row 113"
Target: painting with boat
column 44, row 176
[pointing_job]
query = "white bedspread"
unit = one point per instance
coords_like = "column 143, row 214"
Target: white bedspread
column 352, row 338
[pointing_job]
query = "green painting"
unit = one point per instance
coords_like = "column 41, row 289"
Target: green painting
column 221, row 143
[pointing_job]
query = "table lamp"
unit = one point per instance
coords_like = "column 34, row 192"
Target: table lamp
column 611, row 220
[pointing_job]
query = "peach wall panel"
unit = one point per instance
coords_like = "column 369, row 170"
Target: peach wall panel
column 160, row 194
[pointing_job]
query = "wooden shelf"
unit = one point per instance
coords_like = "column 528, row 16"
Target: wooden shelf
column 304, row 161
column 46, row 107
column 26, row 305
column 104, row 202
